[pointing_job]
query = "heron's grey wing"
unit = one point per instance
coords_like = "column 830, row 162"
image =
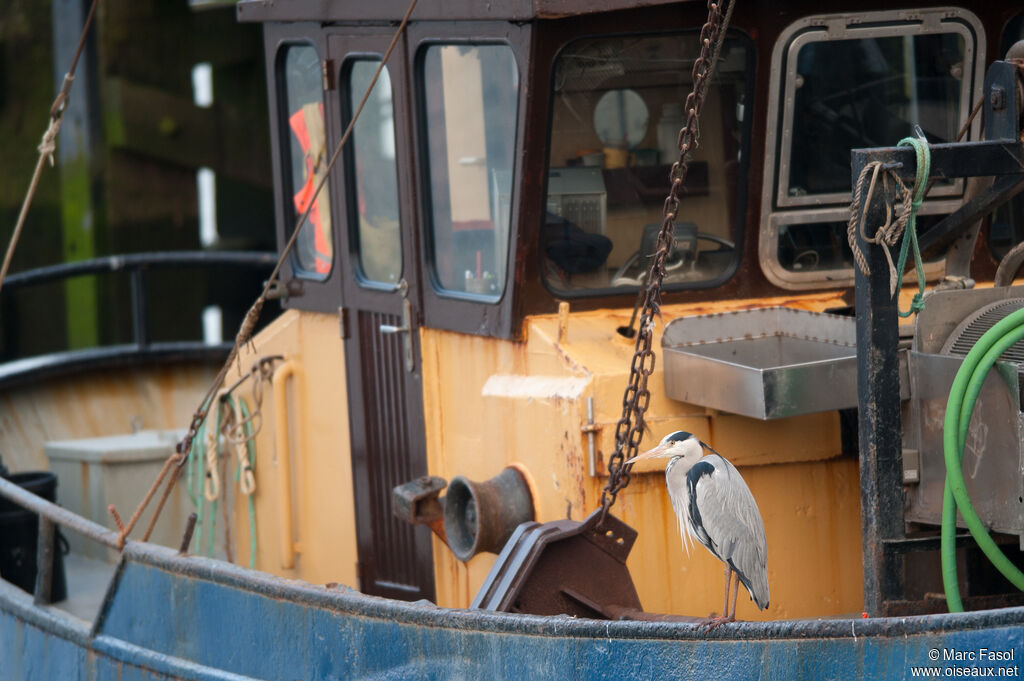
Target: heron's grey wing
column 733, row 524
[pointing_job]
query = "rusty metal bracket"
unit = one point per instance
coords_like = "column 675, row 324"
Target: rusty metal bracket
column 565, row 567
column 1001, row 154
column 417, row 502
column 293, row 288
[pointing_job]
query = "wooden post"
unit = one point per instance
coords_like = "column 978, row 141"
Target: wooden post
column 82, row 216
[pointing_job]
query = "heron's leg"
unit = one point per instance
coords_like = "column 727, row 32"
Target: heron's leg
column 713, row 622
column 728, row 578
column 735, row 595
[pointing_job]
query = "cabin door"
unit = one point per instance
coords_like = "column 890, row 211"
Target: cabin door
column 381, row 297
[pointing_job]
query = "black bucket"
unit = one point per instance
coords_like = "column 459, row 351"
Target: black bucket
column 19, row 536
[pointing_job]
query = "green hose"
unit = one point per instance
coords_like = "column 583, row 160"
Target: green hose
column 962, row 397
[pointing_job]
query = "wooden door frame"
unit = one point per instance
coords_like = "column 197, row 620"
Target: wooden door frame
column 343, row 47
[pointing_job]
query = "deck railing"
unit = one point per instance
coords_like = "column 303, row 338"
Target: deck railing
column 50, row 515
column 136, row 266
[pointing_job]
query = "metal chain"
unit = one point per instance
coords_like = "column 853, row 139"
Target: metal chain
column 629, row 431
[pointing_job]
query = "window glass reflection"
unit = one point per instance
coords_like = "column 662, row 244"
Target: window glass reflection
column 375, row 176
column 617, row 108
column 870, row 92
column 471, row 97
column 306, row 148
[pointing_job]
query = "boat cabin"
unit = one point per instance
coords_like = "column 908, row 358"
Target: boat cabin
column 459, row 299
column 470, row 198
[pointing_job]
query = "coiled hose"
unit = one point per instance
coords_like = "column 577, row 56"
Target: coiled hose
column 962, row 397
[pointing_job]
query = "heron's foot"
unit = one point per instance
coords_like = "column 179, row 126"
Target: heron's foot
column 715, row 621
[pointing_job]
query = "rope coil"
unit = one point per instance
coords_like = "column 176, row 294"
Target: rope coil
column 900, row 218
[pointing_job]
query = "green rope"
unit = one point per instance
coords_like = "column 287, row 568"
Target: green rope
column 210, row 540
column 924, row 166
column 250, row 452
column 196, row 478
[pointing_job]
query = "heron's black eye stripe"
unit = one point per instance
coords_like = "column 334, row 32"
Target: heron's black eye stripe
column 693, row 476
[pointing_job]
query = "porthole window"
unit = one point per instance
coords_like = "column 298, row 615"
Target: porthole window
column 843, row 82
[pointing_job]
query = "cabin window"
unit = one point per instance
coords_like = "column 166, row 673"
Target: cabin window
column 374, row 174
column 471, row 108
column 840, row 83
column 306, row 157
column 617, row 107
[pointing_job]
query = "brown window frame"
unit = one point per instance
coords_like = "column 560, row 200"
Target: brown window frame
column 443, row 309
column 317, row 294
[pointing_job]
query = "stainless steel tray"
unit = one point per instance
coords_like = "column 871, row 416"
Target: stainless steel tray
column 766, row 363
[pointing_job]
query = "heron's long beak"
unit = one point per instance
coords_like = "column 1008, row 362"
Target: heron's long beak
column 652, row 453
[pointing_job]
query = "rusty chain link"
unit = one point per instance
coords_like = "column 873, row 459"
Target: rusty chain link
column 629, row 431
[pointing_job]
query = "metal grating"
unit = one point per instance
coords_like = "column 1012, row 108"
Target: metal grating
column 974, row 327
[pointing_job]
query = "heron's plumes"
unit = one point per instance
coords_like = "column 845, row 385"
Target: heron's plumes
column 685, row 530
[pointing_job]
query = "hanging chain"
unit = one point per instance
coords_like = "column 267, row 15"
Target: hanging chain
column 630, row 429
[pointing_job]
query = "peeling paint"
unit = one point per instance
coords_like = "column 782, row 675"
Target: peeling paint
column 550, row 387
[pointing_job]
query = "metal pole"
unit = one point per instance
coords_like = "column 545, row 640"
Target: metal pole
column 878, row 391
column 44, row 561
column 56, row 514
column 140, row 311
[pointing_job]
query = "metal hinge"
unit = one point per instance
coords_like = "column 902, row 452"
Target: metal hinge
column 327, row 73
column 343, row 322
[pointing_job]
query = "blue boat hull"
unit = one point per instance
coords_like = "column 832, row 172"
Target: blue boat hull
column 171, row 617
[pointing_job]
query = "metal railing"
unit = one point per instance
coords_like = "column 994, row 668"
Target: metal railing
column 50, row 515
column 137, row 266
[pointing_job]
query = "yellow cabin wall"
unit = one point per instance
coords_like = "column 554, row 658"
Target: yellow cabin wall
column 323, row 514
column 491, row 403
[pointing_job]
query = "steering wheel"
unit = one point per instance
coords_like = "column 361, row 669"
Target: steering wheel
column 619, row 279
column 725, row 244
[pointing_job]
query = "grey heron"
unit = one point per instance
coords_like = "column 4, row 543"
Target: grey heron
column 715, row 507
